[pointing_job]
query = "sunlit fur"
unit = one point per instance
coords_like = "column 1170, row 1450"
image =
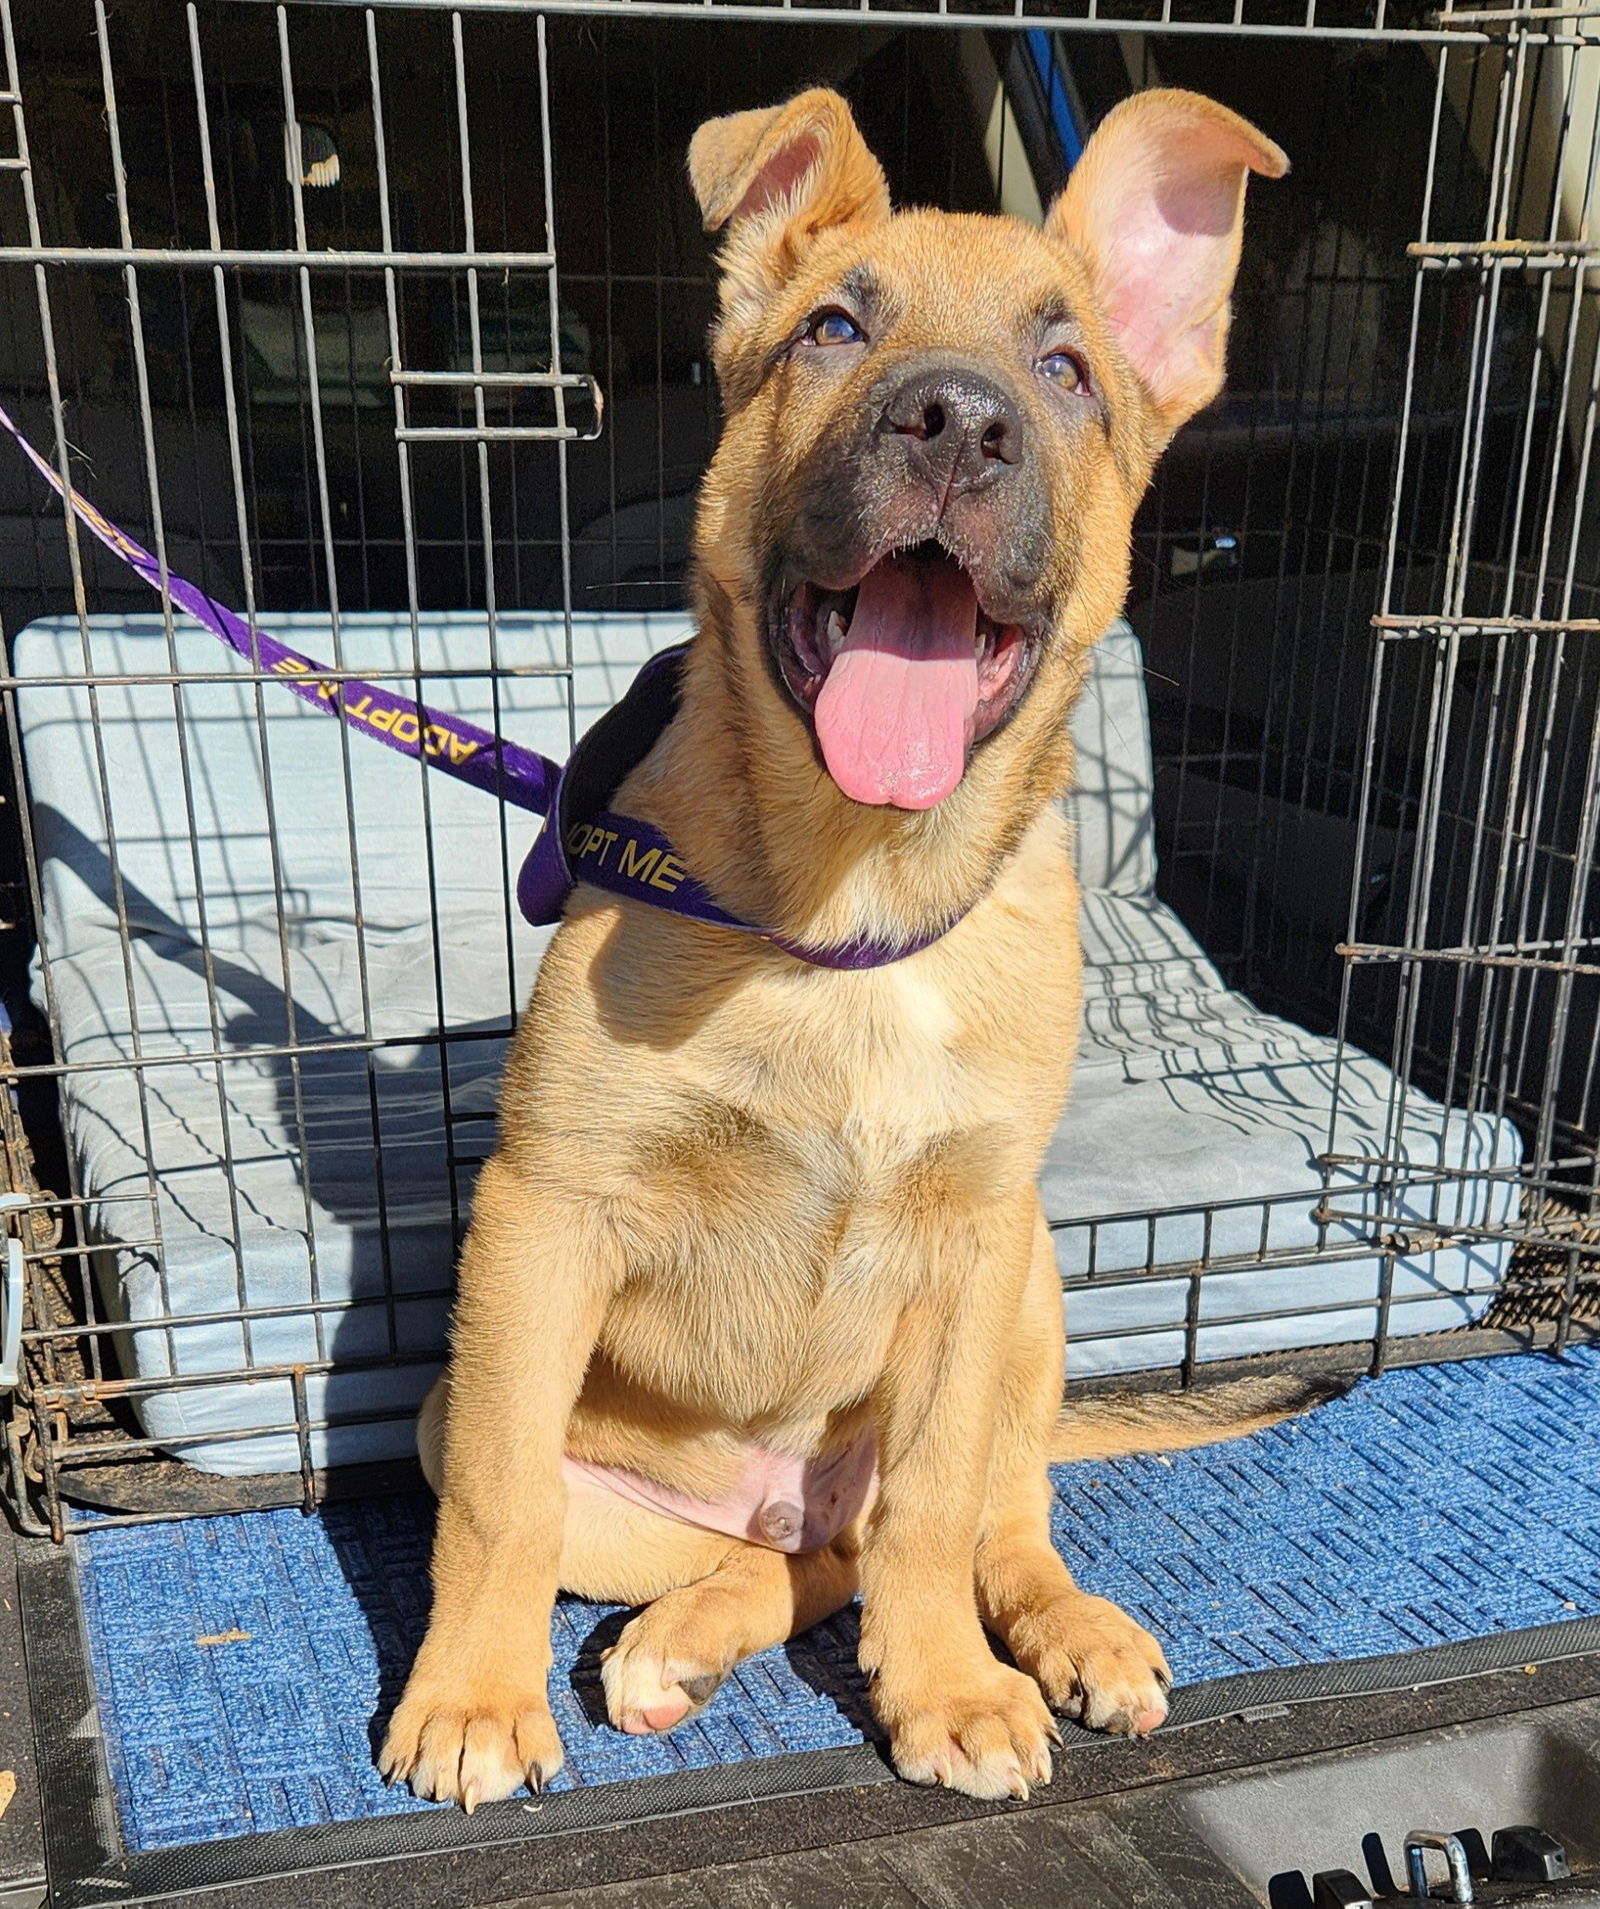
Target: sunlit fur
column 740, row 1198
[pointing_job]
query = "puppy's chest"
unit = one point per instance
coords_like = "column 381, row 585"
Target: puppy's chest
column 822, row 1111
column 772, row 1209
column 871, row 1084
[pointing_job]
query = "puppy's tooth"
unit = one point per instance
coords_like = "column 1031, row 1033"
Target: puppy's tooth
column 837, row 629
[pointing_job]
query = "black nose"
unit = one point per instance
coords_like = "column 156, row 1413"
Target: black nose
column 960, row 429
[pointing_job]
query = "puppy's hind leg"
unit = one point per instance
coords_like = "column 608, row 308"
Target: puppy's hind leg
column 612, row 1550
column 711, row 1600
column 430, row 1432
column 671, row 1658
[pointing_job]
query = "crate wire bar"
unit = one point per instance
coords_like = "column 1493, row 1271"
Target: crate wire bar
column 465, row 373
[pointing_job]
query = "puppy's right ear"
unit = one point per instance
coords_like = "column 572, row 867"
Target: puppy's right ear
column 776, row 179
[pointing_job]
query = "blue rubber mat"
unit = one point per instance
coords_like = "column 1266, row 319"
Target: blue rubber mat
column 241, row 1662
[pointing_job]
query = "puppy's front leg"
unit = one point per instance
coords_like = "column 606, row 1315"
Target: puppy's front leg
column 955, row 1714
column 536, row 1273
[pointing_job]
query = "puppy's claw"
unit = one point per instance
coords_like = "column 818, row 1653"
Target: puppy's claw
column 1094, row 1664
column 984, row 1741
column 470, row 1754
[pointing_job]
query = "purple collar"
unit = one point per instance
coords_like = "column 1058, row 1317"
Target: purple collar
column 582, row 840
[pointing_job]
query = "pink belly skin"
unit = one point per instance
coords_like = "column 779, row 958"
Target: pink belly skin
column 786, row 1504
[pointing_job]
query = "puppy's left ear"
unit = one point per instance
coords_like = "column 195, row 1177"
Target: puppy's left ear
column 1156, row 206
column 776, row 179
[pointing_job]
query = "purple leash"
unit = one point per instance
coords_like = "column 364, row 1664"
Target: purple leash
column 582, row 839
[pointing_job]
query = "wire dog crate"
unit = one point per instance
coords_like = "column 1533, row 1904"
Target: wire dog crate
column 385, row 325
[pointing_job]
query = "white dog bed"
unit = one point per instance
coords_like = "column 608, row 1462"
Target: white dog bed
column 1193, row 1126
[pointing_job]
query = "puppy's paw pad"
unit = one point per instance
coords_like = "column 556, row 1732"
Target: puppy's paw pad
column 648, row 1691
column 470, row 1753
column 992, row 1741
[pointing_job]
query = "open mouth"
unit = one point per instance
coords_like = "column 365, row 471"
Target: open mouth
column 902, row 675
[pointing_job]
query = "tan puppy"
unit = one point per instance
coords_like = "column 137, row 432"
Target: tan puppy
column 747, row 1214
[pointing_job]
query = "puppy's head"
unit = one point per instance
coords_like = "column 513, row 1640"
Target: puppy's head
column 939, row 427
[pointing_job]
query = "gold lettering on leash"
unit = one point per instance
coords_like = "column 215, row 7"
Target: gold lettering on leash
column 437, row 740
column 669, row 874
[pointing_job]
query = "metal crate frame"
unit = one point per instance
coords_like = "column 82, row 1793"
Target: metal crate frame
column 1481, row 985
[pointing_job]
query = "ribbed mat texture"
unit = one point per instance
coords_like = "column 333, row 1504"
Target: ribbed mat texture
column 244, row 1664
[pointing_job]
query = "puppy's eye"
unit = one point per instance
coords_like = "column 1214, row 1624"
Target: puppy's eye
column 1063, row 371
column 834, row 327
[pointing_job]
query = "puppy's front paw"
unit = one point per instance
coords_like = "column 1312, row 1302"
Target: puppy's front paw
column 470, row 1749
column 1094, row 1663
column 988, row 1735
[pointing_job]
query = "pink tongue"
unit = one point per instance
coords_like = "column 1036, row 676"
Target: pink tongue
column 896, row 713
